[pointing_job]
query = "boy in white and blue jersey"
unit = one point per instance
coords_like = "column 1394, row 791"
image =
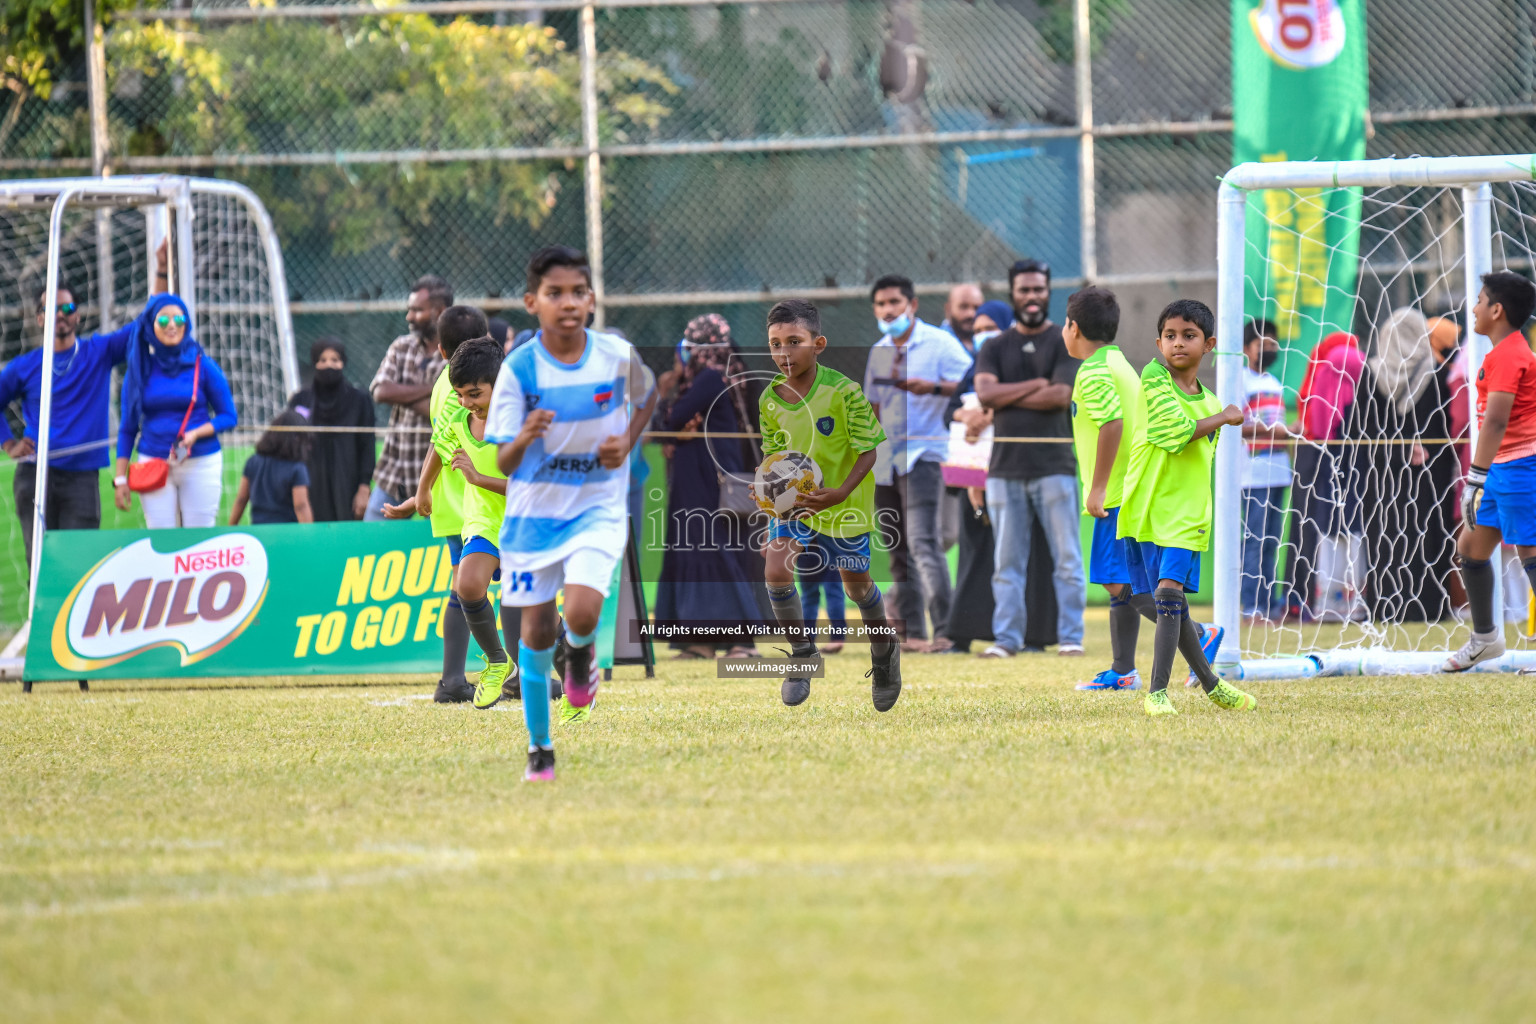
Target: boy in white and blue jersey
column 560, row 417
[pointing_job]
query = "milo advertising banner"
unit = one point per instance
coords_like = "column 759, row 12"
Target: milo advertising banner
column 321, row 599
column 1299, row 92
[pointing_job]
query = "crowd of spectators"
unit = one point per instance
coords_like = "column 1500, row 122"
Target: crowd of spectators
column 1368, row 508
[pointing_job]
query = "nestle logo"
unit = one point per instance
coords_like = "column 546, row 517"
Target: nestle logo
column 198, row 561
column 195, row 601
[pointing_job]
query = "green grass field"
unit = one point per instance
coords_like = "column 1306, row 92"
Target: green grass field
column 999, row 847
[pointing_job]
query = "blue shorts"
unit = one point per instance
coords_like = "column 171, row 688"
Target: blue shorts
column 847, row 553
column 479, row 546
column 455, row 550
column 1149, row 563
column 1106, row 561
column 1509, row 501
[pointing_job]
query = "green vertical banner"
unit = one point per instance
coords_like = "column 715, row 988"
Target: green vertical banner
column 1300, row 92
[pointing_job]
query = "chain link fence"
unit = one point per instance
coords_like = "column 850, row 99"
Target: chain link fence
column 715, row 156
column 743, row 150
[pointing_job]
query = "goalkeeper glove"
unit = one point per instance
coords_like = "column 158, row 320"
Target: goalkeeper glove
column 1472, row 495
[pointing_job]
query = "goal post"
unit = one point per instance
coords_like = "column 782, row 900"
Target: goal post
column 225, row 263
column 1408, row 257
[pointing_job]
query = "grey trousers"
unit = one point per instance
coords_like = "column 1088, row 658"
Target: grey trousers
column 74, row 500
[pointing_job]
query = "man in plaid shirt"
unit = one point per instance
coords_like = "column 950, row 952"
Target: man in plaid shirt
column 404, row 381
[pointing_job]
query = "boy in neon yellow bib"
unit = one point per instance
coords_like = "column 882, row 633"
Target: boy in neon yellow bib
column 458, row 441
column 1105, row 417
column 1165, row 511
column 456, row 325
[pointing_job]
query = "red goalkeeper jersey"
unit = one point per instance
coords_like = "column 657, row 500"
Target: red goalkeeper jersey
column 1511, row 366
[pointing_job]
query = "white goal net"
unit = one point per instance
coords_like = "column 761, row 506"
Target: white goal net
column 1335, row 545
column 224, row 259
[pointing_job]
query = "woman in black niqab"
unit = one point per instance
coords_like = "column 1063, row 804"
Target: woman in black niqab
column 340, row 463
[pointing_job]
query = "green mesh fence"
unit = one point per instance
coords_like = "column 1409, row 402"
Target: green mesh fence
column 747, row 150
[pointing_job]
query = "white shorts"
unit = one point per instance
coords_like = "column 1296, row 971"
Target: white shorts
column 587, row 567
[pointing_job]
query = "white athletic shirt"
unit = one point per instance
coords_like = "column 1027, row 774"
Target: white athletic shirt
column 1267, row 465
column 560, row 497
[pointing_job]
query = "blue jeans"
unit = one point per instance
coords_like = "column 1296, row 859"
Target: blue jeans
column 1014, row 505
column 1263, row 514
column 377, row 499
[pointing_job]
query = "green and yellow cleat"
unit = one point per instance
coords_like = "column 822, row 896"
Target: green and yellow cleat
column 488, row 687
column 570, row 714
column 1157, row 703
column 1225, row 695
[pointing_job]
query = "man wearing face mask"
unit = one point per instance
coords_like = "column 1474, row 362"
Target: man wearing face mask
column 1025, row 376
column 1267, row 471
column 913, row 370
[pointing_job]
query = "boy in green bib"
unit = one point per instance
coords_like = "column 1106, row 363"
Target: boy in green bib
column 1166, row 508
column 815, row 410
column 455, row 325
column 1106, row 415
column 458, row 442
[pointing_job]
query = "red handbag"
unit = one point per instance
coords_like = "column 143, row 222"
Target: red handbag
column 149, row 475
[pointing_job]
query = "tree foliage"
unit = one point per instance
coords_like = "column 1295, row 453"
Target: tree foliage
column 382, row 83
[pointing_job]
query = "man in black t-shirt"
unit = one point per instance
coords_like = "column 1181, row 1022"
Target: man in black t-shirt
column 1025, row 375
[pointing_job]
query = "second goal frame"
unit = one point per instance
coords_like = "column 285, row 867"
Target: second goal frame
column 168, row 202
column 1475, row 176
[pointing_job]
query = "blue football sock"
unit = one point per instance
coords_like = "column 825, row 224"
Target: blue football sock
column 534, row 667
column 580, row 641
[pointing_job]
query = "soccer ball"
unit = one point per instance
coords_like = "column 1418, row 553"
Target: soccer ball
column 783, row 477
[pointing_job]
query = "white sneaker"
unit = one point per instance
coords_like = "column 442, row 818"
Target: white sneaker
column 1480, row 647
column 997, row 652
column 1069, row 650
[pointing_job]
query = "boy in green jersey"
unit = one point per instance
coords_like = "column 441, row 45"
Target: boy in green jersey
column 455, row 325
column 458, row 442
column 1105, row 416
column 1166, row 507
column 815, row 410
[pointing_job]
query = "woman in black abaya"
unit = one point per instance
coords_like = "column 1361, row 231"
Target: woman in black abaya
column 340, row 463
column 1404, row 396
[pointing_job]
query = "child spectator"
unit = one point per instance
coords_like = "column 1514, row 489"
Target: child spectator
column 1267, row 470
column 275, row 482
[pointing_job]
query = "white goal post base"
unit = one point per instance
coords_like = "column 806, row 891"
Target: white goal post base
column 1474, row 176
column 1370, row 661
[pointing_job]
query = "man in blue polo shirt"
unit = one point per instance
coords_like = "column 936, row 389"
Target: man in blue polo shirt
column 913, row 369
column 79, row 435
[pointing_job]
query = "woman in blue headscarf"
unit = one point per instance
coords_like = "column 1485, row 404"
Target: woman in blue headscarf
column 175, row 400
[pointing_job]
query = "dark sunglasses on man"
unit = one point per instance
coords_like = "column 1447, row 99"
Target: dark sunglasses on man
column 1029, row 267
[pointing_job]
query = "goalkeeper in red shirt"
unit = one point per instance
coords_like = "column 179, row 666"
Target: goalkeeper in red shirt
column 1498, row 499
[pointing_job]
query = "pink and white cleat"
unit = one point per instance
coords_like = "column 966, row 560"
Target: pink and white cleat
column 541, row 766
column 581, row 676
